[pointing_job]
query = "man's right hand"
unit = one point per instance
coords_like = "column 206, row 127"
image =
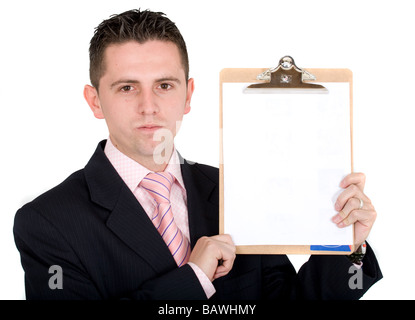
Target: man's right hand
column 214, row 255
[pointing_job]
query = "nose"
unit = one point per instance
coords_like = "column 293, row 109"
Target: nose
column 147, row 104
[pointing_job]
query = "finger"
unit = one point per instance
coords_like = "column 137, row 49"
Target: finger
column 343, row 216
column 218, row 275
column 224, row 238
column 227, row 247
column 228, row 255
column 208, row 251
column 228, row 252
column 365, row 218
column 350, row 219
column 223, row 269
column 356, row 178
column 339, row 217
column 352, row 191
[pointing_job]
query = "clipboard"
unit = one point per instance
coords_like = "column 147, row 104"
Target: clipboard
column 283, row 80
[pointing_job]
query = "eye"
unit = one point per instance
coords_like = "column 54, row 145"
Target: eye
column 165, row 86
column 126, row 88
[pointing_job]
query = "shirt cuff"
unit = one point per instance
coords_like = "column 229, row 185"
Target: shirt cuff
column 204, row 280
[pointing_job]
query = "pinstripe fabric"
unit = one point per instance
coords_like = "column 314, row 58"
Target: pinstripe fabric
column 92, row 226
column 158, row 185
column 132, row 173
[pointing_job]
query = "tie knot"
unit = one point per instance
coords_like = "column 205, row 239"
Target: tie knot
column 158, row 185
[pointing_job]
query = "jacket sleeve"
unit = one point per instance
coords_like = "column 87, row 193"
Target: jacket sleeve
column 53, row 271
column 42, row 248
column 335, row 277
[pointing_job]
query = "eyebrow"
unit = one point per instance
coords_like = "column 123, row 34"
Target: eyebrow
column 116, row 83
column 130, row 81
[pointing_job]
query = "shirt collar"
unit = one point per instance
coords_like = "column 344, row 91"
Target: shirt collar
column 131, row 172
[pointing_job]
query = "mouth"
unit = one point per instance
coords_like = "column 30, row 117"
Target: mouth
column 149, row 128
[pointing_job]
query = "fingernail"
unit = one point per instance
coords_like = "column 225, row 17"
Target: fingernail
column 336, row 219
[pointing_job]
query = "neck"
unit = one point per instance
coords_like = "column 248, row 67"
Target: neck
column 150, row 164
column 157, row 161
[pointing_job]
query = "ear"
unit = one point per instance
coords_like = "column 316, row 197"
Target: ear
column 92, row 98
column 190, row 89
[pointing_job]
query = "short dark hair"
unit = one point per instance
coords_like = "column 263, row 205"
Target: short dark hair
column 136, row 25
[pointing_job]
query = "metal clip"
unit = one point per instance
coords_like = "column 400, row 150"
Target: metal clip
column 286, row 78
column 286, row 63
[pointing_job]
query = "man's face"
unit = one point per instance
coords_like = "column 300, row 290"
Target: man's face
column 143, row 90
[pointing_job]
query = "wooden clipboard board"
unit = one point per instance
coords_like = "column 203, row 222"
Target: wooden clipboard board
column 272, row 76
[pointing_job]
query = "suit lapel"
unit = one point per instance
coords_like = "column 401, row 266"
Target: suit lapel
column 127, row 218
column 132, row 225
column 202, row 201
column 128, row 221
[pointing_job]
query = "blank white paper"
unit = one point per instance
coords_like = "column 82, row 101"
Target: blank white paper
column 284, row 156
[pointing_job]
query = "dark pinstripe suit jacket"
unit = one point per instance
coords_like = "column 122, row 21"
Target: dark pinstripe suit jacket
column 92, row 226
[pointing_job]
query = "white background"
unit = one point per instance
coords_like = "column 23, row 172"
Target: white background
column 48, row 131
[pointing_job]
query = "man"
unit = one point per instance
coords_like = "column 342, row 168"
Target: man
column 105, row 229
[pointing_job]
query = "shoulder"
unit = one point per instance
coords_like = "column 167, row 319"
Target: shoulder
column 72, row 187
column 207, row 171
column 56, row 204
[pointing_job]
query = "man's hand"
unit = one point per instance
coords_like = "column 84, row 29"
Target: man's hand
column 214, row 255
column 348, row 205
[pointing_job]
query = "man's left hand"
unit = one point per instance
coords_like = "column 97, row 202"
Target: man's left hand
column 354, row 207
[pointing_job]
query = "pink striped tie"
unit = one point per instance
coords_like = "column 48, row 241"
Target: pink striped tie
column 158, row 185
